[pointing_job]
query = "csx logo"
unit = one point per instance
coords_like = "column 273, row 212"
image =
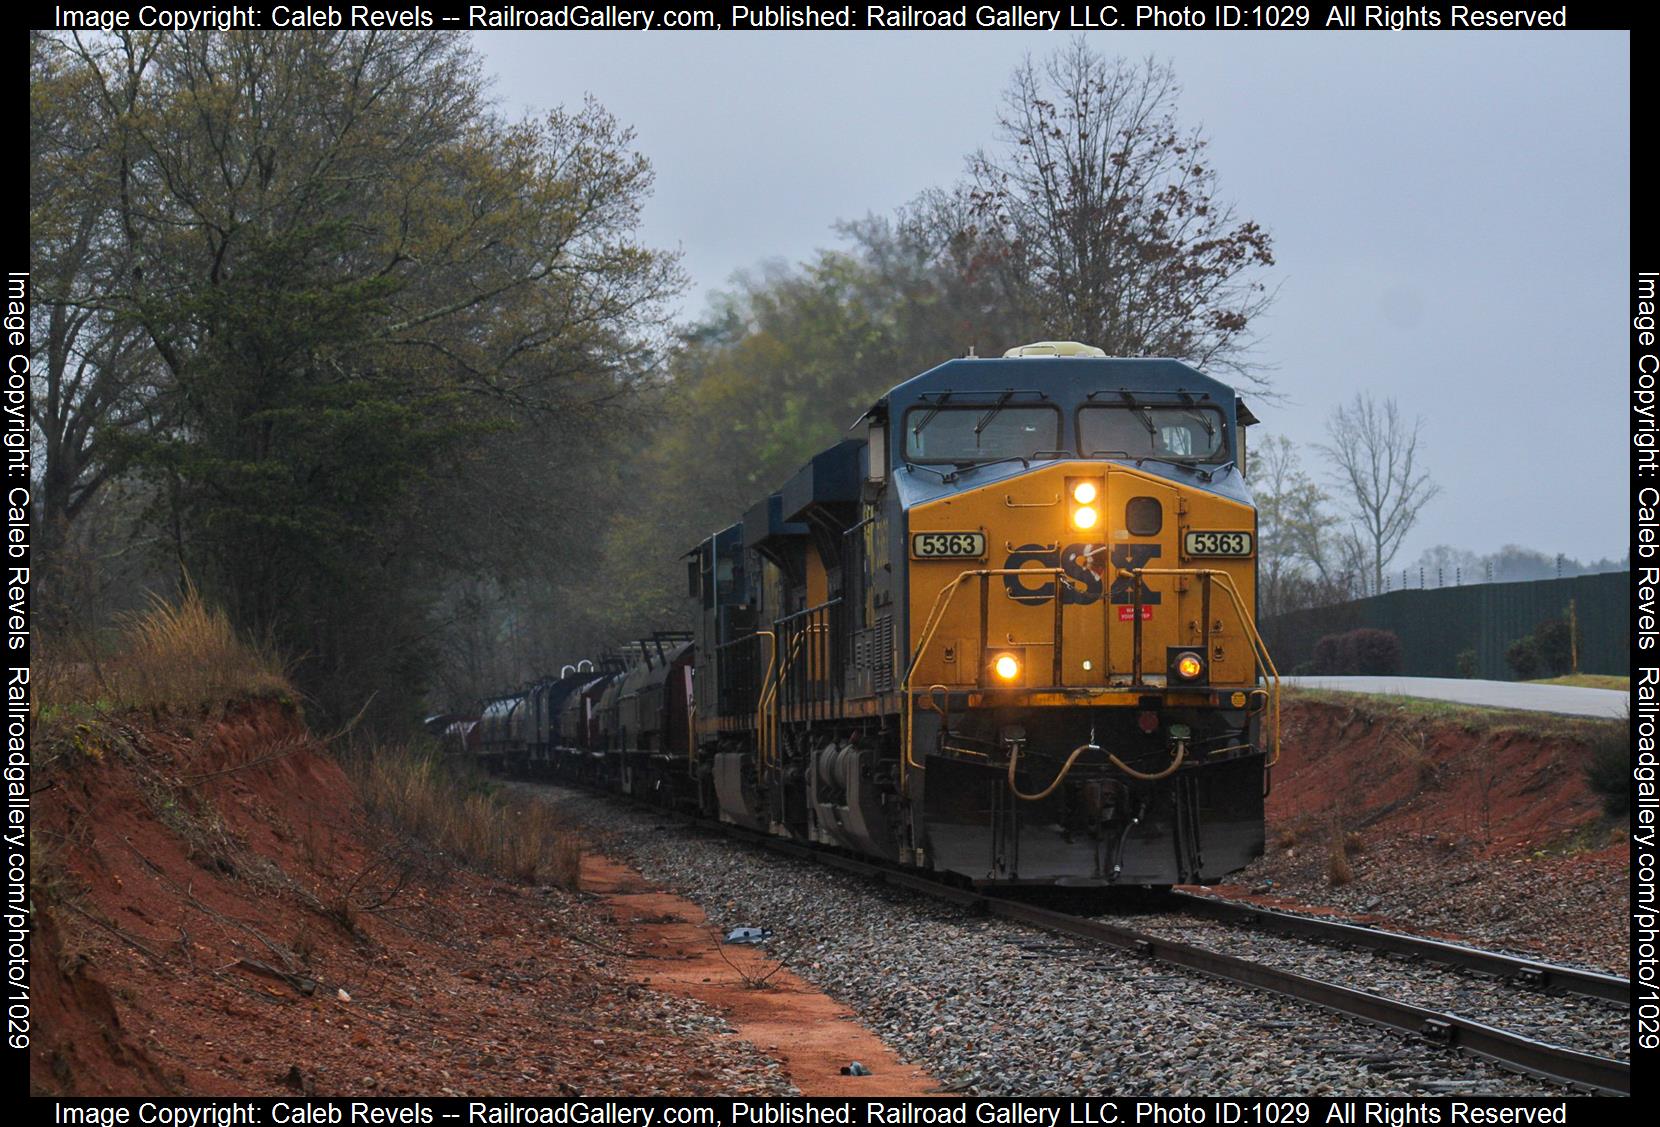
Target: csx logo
column 1084, row 586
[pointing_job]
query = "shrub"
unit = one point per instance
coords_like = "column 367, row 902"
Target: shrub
column 1338, row 870
column 1374, row 653
column 1328, row 655
column 1366, row 652
column 1554, row 641
column 1523, row 658
column 1468, row 664
column 1608, row 766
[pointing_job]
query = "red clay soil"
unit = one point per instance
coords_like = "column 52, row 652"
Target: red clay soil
column 1480, row 831
column 814, row 1036
column 216, row 915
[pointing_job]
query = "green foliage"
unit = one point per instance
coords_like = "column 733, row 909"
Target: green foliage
column 1468, row 663
column 1547, row 652
column 1554, row 639
column 1523, row 658
column 774, row 374
column 354, row 283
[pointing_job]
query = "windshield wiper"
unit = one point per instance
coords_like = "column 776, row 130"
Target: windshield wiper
column 990, row 415
column 1190, row 463
column 929, row 417
column 1201, row 418
column 964, row 467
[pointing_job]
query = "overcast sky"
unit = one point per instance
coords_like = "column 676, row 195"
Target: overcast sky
column 1450, row 213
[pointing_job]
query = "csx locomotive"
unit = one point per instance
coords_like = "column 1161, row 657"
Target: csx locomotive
column 1007, row 634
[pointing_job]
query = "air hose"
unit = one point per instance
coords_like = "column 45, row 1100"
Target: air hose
column 1014, row 760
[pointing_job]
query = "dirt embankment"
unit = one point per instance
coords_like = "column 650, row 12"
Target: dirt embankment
column 1466, row 823
column 216, row 915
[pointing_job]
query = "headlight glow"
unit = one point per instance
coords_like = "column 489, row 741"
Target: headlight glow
column 1085, row 516
column 1188, row 666
column 1007, row 666
column 1084, row 492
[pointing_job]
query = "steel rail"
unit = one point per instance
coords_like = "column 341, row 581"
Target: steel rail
column 1515, row 968
column 1509, row 1050
column 1584, row 1071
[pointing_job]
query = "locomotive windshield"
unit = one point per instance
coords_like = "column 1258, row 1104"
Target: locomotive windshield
column 1178, row 434
column 978, row 433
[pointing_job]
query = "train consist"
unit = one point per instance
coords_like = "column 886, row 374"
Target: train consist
column 1007, row 634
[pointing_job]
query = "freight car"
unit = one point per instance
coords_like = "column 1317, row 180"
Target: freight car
column 1006, row 634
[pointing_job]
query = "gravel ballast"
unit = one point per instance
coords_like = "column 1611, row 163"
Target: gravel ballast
column 1590, row 1025
column 992, row 1007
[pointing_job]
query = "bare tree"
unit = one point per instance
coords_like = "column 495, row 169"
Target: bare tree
column 1098, row 216
column 1374, row 455
column 1300, row 549
column 95, row 382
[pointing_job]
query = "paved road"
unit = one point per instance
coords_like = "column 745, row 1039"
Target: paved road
column 1569, row 700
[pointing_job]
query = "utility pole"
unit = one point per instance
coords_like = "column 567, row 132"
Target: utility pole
column 1573, row 636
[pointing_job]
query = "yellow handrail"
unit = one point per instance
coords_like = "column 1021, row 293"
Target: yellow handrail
column 936, row 615
column 1259, row 648
column 761, row 698
column 769, row 697
column 942, row 601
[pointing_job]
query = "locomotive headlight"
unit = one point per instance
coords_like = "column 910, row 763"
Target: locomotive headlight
column 1188, row 666
column 1007, row 666
column 1085, row 492
column 1085, row 516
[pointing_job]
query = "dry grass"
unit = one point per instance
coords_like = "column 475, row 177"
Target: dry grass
column 1384, row 709
column 1338, row 870
column 1341, row 844
column 420, row 794
column 173, row 657
column 1413, row 741
column 1589, row 681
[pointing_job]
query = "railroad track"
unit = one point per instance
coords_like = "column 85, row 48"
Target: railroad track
column 1582, row 1071
column 1515, row 968
column 1578, row 1070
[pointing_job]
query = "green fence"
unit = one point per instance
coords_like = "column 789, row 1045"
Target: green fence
column 1438, row 624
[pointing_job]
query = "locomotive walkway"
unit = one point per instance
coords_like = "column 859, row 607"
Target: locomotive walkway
column 1567, row 700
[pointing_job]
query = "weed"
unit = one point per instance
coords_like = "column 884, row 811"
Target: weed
column 419, row 793
column 1413, row 742
column 1338, row 870
column 304, row 943
column 1608, row 765
column 172, row 658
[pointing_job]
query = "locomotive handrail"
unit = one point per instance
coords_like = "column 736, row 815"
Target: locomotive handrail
column 801, row 628
column 761, row 697
column 809, row 610
column 1259, row 648
column 936, row 615
column 930, row 626
column 768, row 718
